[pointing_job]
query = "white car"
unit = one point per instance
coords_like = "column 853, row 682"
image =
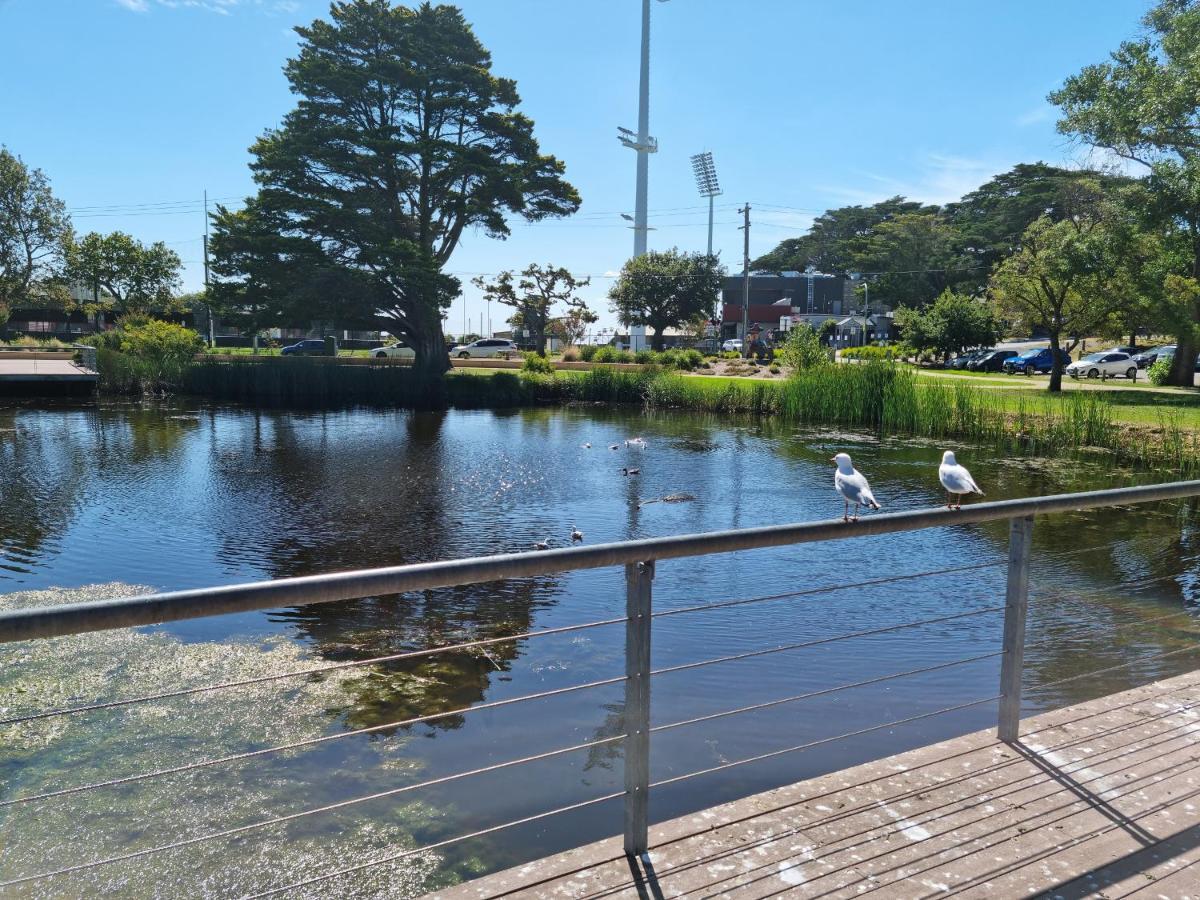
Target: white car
column 733, row 345
column 1109, row 364
column 484, row 348
column 394, row 351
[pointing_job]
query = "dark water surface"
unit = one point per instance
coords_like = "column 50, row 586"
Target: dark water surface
column 112, row 499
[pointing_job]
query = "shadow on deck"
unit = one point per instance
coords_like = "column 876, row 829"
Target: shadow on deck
column 1096, row 800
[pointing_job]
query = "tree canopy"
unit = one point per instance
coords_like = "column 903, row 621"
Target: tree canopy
column 34, row 228
column 135, row 277
column 951, row 324
column 534, row 296
column 401, row 140
column 664, row 289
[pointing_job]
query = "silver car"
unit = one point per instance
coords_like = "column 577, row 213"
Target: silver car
column 398, row 350
column 1108, row 364
column 485, row 348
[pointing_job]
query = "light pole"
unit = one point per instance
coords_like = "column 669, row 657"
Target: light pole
column 641, row 141
column 706, row 183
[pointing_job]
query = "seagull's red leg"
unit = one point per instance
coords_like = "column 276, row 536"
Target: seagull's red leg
column 846, row 512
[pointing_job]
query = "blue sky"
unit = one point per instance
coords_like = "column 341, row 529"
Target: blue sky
column 134, row 107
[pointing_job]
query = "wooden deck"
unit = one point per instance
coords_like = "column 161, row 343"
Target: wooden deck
column 37, row 368
column 1097, row 800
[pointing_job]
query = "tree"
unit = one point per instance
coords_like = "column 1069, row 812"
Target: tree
column 829, row 244
column 135, row 277
column 33, row 230
column 803, row 349
column 401, row 140
column 1060, row 280
column 664, row 288
column 575, row 323
column 914, row 257
column 534, row 297
column 1144, row 105
column 951, row 324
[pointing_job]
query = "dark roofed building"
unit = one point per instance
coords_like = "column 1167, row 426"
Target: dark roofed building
column 799, row 297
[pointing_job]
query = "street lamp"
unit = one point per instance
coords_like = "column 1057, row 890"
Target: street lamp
column 706, row 183
column 642, row 142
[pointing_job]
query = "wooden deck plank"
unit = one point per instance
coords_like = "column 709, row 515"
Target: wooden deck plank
column 1096, row 800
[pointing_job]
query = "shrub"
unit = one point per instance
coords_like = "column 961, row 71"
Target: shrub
column 872, row 352
column 588, row 352
column 646, row 357
column 1159, row 372
column 605, row 354
column 803, row 349
column 571, row 354
column 539, row 365
column 775, row 368
column 730, row 354
column 160, row 352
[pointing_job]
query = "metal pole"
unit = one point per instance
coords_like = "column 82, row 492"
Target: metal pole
column 746, row 285
column 641, row 221
column 710, row 224
column 638, row 579
column 1016, row 605
column 212, row 341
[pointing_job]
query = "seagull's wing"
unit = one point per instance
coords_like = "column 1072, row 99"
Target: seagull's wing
column 854, row 488
column 958, row 480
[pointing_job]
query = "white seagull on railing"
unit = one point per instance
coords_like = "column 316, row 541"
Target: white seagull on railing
column 956, row 480
column 852, row 485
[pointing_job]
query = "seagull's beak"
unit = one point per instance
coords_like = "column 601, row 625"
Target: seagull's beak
column 832, row 460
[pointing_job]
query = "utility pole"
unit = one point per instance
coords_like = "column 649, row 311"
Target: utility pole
column 745, row 211
column 212, row 341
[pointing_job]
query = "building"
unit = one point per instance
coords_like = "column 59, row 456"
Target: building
column 857, row 330
column 778, row 301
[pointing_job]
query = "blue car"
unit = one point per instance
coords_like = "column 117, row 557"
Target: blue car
column 1039, row 361
column 308, row 347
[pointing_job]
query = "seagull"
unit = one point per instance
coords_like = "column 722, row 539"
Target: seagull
column 615, row 447
column 637, row 442
column 576, row 534
column 542, row 545
column 956, row 480
column 628, row 471
column 852, row 486
column 587, row 446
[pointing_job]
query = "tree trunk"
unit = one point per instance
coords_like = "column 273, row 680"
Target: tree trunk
column 538, row 336
column 1184, row 365
column 1056, row 366
column 659, row 341
column 429, row 344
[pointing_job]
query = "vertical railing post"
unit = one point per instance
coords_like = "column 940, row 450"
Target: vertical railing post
column 1016, row 605
column 638, row 579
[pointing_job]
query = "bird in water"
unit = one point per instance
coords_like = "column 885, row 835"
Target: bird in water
column 853, row 487
column 587, row 446
column 956, row 480
column 629, row 471
column 576, row 534
column 614, row 447
column 636, row 442
column 542, row 545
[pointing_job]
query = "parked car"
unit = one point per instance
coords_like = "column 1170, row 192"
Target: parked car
column 1109, row 364
column 306, row 347
column 733, row 345
column 1168, row 353
column 1147, row 358
column 485, row 348
column 992, row 361
column 964, row 359
column 1038, row 361
column 1132, row 351
column 397, row 350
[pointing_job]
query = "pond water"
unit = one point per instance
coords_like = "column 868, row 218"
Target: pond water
column 111, row 499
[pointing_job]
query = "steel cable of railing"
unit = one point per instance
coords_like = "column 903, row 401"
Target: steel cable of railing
column 393, row 857
column 818, row 743
column 827, row 589
column 316, row 670
column 749, row 654
column 1124, row 665
column 310, row 742
column 822, row 692
column 330, row 807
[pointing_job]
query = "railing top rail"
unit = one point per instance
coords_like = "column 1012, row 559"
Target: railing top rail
column 153, row 609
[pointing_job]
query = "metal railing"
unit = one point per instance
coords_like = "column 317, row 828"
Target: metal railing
column 639, row 559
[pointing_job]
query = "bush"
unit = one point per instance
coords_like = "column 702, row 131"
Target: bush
column 730, row 354
column 1160, row 371
column 647, row 357
column 588, row 352
column 571, row 354
column 803, row 349
column 538, row 365
column 605, row 354
column 872, row 352
column 160, row 352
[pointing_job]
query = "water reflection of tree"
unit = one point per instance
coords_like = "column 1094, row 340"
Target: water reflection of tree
column 339, row 492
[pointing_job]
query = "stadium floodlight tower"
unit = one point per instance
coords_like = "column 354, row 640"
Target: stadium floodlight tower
column 641, row 141
column 708, row 186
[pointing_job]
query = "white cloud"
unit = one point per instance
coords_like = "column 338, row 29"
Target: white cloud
column 941, row 178
column 220, row 7
column 1043, row 112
